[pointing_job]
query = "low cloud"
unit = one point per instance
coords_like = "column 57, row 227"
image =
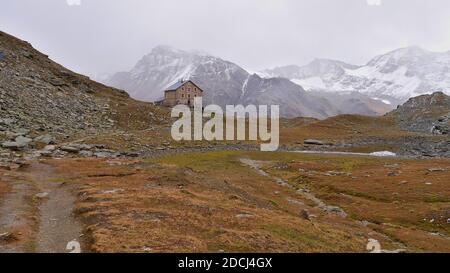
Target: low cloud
column 112, row 35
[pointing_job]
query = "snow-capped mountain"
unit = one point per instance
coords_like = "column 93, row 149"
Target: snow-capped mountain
column 165, row 66
column 393, row 78
column 227, row 83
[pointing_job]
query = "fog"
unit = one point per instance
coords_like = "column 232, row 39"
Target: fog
column 105, row 36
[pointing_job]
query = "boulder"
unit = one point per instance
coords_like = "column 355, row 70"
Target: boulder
column 19, row 143
column 85, row 146
column 23, row 141
column 70, row 149
column 56, row 82
column 304, row 214
column 11, row 145
column 79, row 147
column 105, row 154
column 335, row 210
column 86, row 153
column 50, row 148
column 45, row 139
column 44, row 153
column 441, row 129
column 131, row 154
column 22, row 132
column 42, row 195
column 6, row 121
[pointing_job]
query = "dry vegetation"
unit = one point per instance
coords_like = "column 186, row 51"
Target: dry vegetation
column 339, row 128
column 210, row 202
column 4, row 188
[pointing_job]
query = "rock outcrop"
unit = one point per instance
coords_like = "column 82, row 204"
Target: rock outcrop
column 425, row 114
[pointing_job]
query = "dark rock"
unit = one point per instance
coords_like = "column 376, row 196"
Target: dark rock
column 392, row 174
column 304, row 214
column 131, row 154
column 313, row 142
column 12, row 145
column 45, row 153
column 336, row 210
column 70, row 149
column 57, row 82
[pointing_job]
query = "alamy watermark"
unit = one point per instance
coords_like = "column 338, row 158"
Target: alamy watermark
column 374, row 2
column 235, row 119
column 73, row 2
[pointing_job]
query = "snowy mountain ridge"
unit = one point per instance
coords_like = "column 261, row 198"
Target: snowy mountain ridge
column 393, row 77
column 227, row 83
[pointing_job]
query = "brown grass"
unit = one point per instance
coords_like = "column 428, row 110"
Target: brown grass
column 4, row 187
column 340, row 128
column 169, row 208
column 209, row 202
column 404, row 199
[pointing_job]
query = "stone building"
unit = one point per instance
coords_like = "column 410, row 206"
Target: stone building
column 182, row 92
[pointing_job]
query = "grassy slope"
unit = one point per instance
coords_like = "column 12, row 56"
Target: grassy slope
column 211, row 202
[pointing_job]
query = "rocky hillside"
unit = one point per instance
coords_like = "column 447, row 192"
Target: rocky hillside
column 41, row 101
column 393, row 77
column 426, row 113
column 227, row 83
column 257, row 91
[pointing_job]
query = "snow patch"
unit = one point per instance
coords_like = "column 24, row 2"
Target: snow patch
column 313, row 83
column 383, row 101
column 384, row 154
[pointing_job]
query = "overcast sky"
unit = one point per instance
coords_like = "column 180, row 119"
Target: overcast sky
column 105, row 36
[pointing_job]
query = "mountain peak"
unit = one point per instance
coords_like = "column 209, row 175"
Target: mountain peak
column 409, row 51
column 323, row 60
column 164, row 49
column 330, row 62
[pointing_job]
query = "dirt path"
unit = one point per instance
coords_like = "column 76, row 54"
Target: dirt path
column 40, row 208
column 58, row 225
